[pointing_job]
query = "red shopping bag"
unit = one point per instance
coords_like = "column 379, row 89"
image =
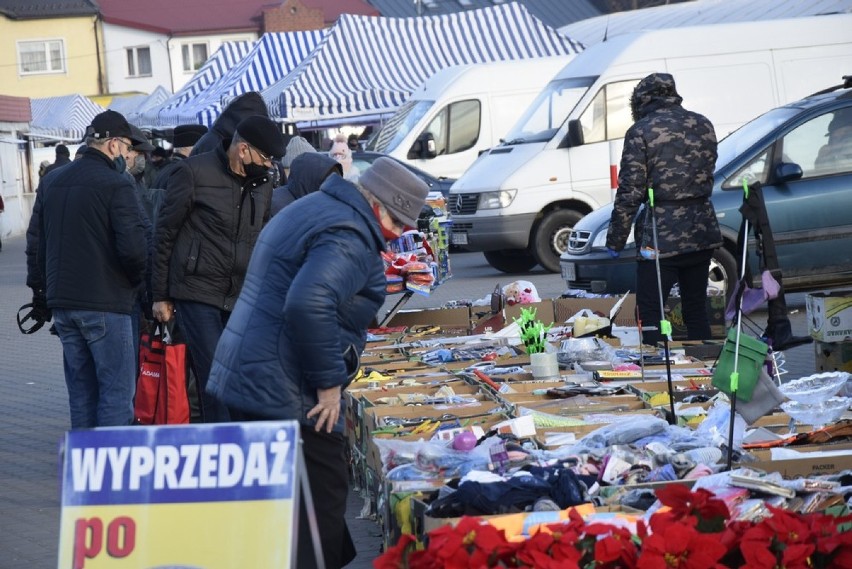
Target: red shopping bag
column 161, row 397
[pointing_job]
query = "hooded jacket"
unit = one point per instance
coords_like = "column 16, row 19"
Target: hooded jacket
column 205, row 231
column 307, row 173
column 315, row 282
column 223, row 129
column 673, row 151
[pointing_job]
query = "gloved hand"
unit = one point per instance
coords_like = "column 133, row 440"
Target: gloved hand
column 40, row 311
column 612, row 253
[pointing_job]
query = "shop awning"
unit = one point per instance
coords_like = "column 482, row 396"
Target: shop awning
column 369, row 66
column 226, row 57
column 271, row 57
column 64, row 118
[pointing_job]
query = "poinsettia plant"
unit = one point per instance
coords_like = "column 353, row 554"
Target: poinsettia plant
column 693, row 531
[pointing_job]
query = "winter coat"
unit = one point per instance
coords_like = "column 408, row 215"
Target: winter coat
column 314, row 284
column 307, row 174
column 673, row 151
column 223, row 129
column 205, row 230
column 59, row 163
column 92, row 247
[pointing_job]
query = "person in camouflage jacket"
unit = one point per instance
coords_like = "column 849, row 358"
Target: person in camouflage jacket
column 673, row 151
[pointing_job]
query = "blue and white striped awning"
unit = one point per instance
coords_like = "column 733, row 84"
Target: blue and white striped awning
column 225, row 58
column 64, row 118
column 132, row 107
column 272, row 57
column 368, row 66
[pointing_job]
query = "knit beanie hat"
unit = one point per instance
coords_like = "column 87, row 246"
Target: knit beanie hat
column 397, row 188
column 297, row 146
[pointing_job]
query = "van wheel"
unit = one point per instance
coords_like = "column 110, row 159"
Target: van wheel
column 551, row 237
column 723, row 272
column 511, row 260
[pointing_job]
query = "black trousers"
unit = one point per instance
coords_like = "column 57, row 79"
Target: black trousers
column 690, row 271
column 328, row 476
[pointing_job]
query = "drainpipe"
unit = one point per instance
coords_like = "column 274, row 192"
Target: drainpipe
column 169, row 56
column 101, row 86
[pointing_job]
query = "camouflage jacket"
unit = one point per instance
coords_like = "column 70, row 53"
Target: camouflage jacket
column 673, row 151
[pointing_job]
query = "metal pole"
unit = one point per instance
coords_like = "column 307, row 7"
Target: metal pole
column 665, row 326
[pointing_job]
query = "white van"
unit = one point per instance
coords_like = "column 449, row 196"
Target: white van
column 518, row 202
column 461, row 111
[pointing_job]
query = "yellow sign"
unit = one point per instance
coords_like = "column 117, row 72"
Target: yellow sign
column 190, row 496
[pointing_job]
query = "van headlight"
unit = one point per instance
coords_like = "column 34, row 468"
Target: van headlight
column 600, row 239
column 496, row 200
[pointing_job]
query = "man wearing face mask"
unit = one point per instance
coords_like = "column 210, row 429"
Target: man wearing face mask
column 91, row 257
column 214, row 207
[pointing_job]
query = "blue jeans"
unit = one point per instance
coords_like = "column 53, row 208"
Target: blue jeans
column 99, row 360
column 202, row 324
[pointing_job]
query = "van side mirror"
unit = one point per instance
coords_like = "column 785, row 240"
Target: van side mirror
column 574, row 136
column 423, row 147
column 788, row 172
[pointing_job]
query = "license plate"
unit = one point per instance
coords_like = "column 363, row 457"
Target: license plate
column 569, row 271
column 459, row 238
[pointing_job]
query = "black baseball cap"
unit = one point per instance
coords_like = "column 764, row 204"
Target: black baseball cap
column 109, row 124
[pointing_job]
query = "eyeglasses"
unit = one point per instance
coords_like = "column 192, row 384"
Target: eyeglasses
column 263, row 157
column 129, row 145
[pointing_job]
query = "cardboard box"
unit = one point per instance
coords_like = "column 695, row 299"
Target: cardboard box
column 831, row 356
column 447, row 318
column 830, row 316
column 565, row 308
column 808, row 466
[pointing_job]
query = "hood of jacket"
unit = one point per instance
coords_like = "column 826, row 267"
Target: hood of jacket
column 656, row 91
column 308, row 171
column 223, row 129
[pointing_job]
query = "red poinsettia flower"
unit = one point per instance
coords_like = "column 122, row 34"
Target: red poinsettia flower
column 425, row 559
column 791, row 557
column 541, row 560
column 614, row 546
column 394, row 557
column 700, row 508
column 471, row 543
column 680, row 547
column 825, row 529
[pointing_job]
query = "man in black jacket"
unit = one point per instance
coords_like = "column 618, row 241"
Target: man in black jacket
column 214, row 207
column 91, row 255
column 63, row 157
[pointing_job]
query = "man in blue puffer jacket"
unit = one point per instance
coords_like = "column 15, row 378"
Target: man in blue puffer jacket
column 314, row 283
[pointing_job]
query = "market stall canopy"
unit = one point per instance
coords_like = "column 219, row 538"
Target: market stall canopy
column 272, row 57
column 62, row 118
column 132, row 107
column 366, row 67
column 226, row 57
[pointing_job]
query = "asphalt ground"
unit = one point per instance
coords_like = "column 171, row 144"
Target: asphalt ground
column 34, row 407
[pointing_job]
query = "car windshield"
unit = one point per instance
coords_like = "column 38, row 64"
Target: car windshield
column 398, row 126
column 549, row 110
column 733, row 145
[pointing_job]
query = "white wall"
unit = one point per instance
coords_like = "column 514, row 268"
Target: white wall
column 117, row 39
column 12, row 181
column 181, row 77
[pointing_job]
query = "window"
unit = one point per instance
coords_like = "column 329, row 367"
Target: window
column 45, row 56
column 194, row 56
column 456, row 127
column 139, row 62
column 608, row 116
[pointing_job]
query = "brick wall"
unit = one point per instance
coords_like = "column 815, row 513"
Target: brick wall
column 293, row 16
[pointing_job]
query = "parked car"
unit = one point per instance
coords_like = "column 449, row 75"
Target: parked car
column 809, row 202
column 364, row 159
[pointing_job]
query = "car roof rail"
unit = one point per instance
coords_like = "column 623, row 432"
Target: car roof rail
column 847, row 84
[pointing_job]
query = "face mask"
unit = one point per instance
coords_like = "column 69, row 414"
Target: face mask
column 120, row 163
column 255, row 170
column 386, row 233
column 138, row 166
